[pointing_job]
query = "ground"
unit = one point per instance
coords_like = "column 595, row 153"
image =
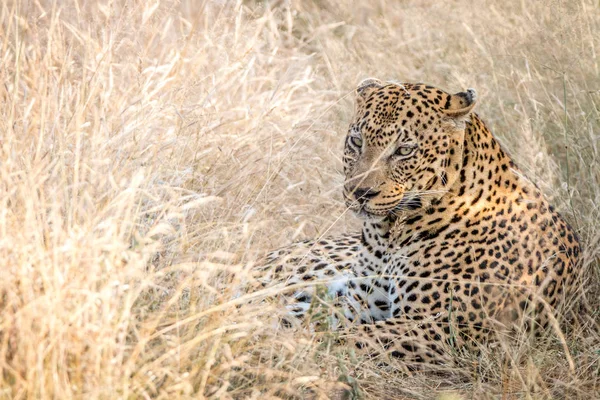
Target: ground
column 152, row 151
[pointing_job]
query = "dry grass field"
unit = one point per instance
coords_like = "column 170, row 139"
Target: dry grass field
column 151, row 151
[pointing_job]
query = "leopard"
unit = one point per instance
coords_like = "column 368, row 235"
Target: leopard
column 457, row 246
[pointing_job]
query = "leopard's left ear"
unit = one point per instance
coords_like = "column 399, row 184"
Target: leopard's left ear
column 460, row 104
column 366, row 87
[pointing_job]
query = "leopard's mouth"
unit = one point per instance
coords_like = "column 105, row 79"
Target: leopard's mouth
column 365, row 212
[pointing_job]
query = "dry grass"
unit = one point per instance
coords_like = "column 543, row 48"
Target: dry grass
column 151, row 150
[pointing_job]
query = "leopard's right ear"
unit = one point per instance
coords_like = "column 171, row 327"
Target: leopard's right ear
column 365, row 88
column 460, row 104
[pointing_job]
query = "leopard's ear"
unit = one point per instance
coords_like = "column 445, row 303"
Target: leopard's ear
column 460, row 104
column 366, row 87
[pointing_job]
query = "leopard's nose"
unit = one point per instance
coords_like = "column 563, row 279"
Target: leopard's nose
column 362, row 195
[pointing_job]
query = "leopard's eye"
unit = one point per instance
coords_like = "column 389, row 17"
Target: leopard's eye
column 404, row 151
column 356, row 140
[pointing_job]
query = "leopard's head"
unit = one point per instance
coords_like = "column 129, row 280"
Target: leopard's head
column 404, row 146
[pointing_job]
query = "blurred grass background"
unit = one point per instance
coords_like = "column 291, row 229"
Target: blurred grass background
column 151, row 151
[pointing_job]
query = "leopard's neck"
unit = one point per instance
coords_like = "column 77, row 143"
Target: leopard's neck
column 375, row 236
